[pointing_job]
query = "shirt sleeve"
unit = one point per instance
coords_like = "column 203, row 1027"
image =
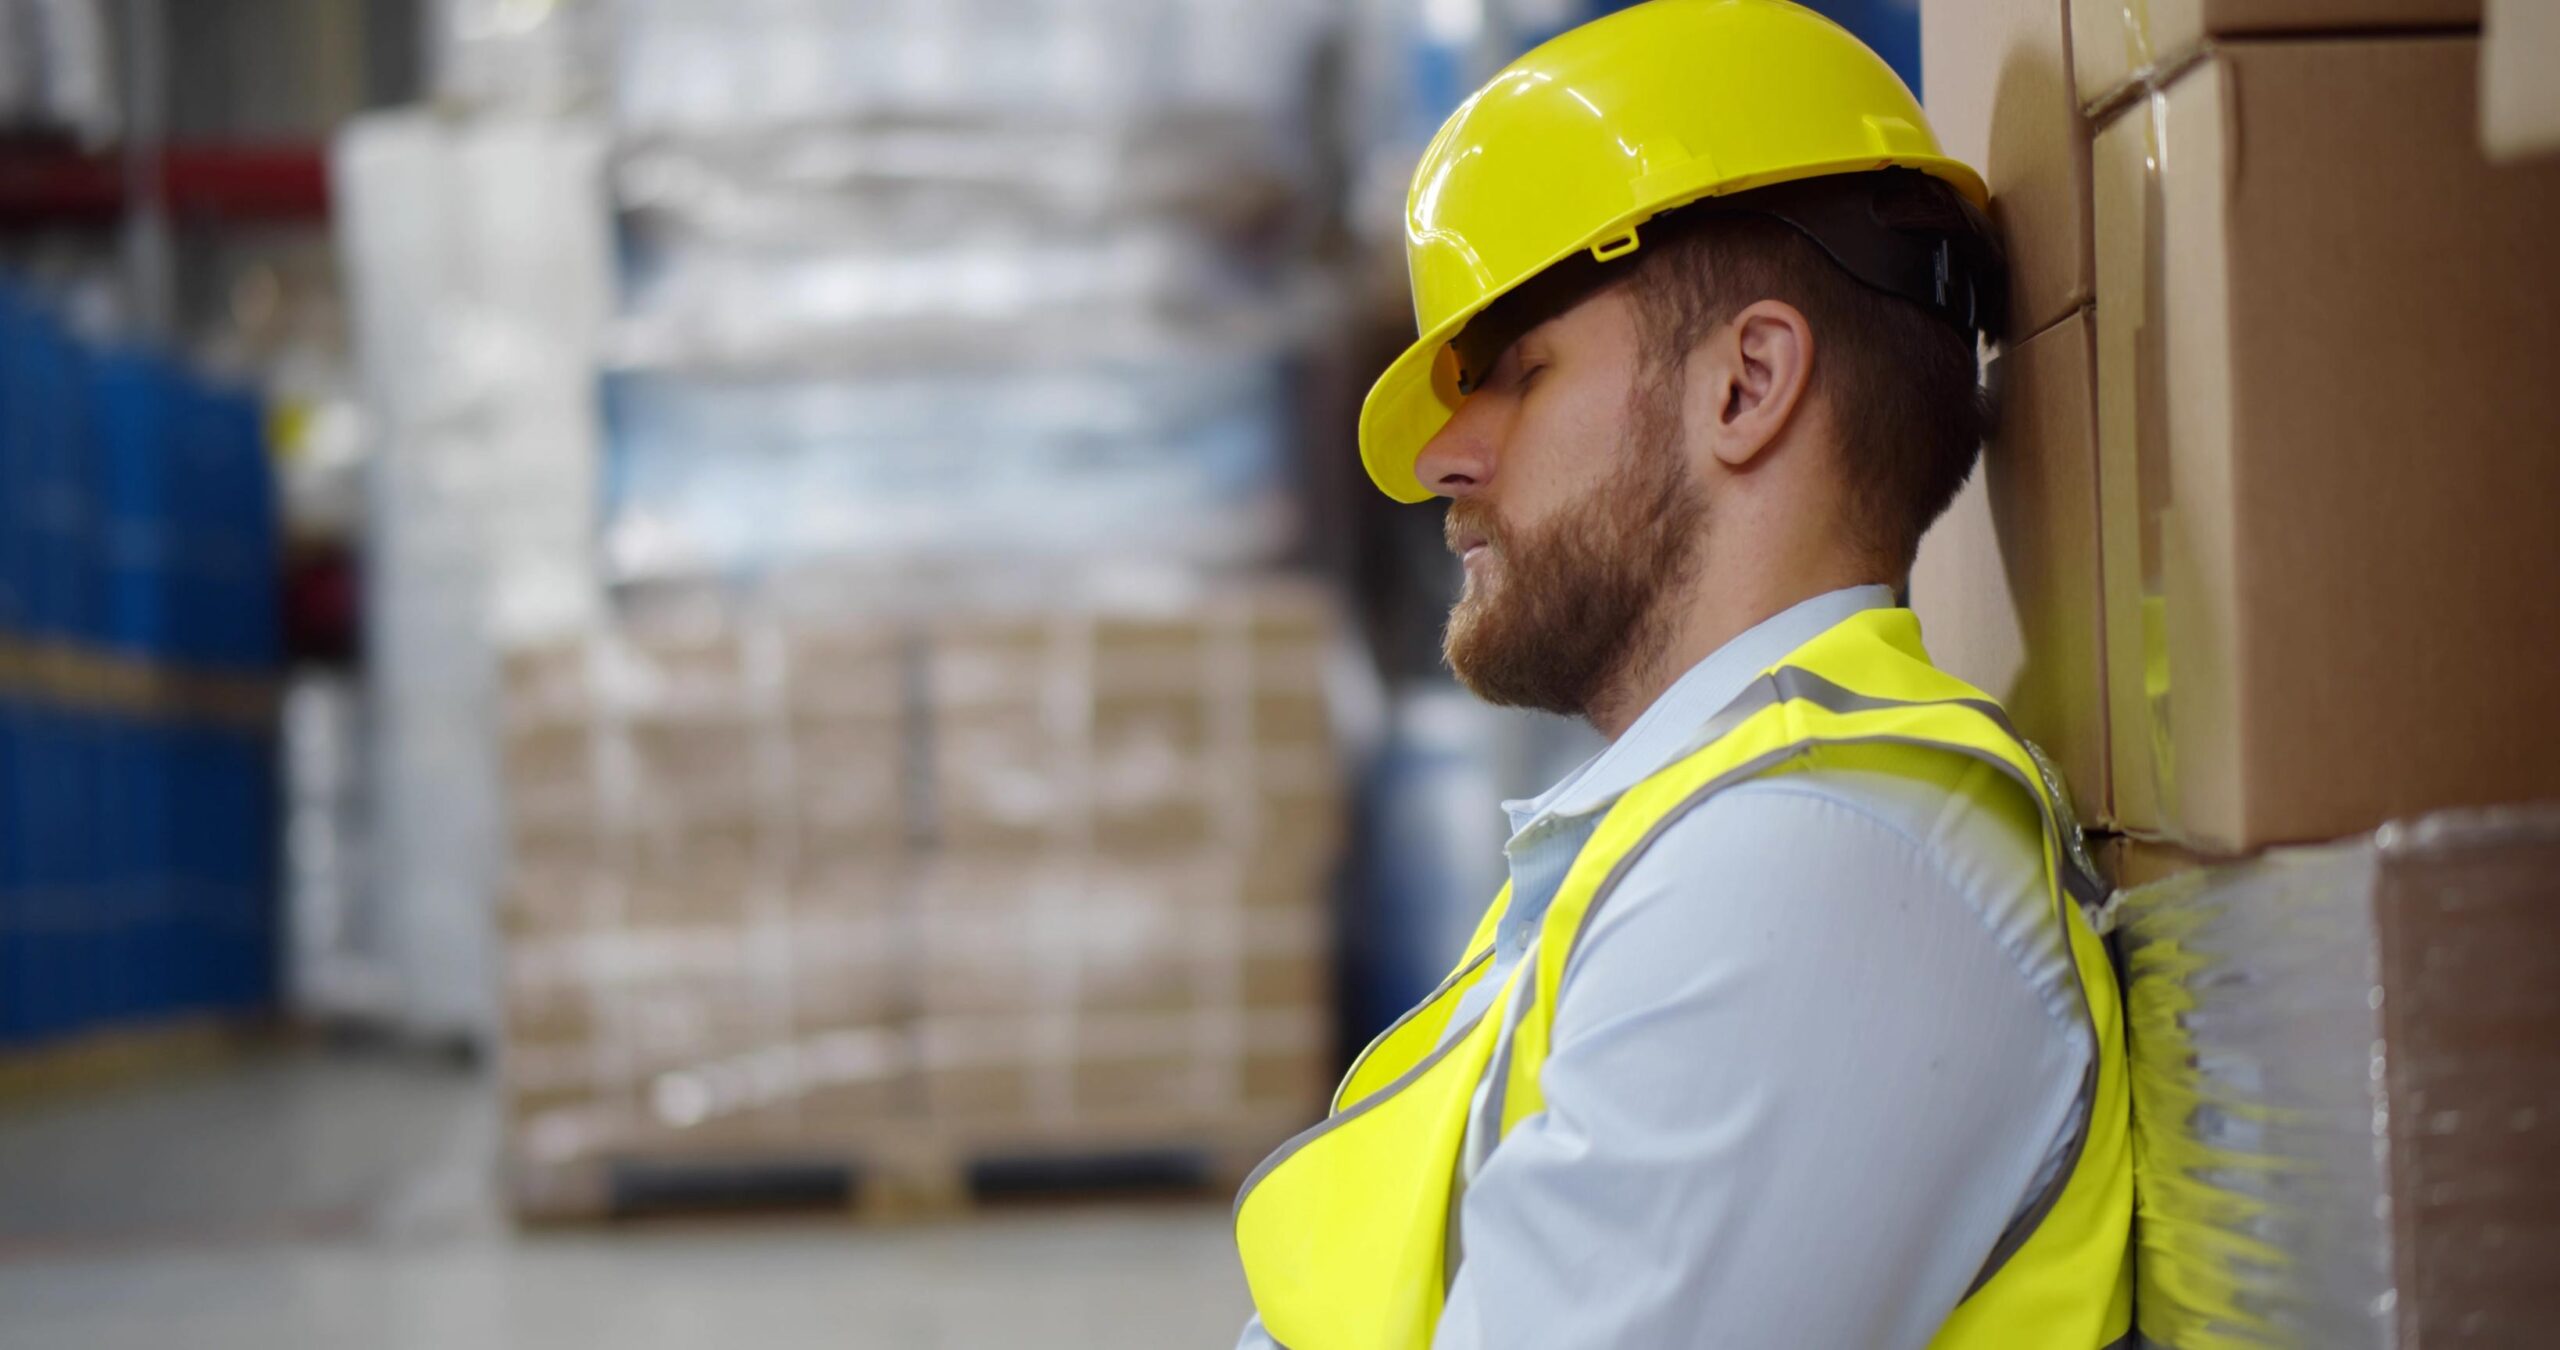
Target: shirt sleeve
column 1798, row 1087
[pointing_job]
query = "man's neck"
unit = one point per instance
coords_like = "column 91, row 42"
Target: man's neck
column 1693, row 622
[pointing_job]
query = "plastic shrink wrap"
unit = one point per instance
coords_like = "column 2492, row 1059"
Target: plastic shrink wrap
column 477, row 257
column 2346, row 1087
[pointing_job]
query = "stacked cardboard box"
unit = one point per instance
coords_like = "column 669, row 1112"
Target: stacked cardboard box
column 2308, row 422
column 987, row 880
column 2261, row 553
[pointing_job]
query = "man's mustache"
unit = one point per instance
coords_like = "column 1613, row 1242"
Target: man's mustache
column 1471, row 518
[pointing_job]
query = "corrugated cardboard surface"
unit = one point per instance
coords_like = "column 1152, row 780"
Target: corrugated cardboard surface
column 2469, row 907
column 2326, row 410
column 2006, row 584
column 2128, row 862
column 2114, row 41
column 1998, row 80
column 2519, row 78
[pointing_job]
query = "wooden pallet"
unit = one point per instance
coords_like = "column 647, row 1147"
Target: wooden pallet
column 886, row 1177
column 109, row 1056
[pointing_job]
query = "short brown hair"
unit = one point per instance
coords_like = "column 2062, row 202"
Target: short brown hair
column 1902, row 385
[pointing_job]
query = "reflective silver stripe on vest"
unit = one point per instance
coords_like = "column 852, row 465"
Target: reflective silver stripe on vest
column 1449, row 1040
column 1484, row 1122
column 1408, row 1015
column 2080, row 877
column 1344, row 1113
column 1484, row 1129
column 1792, row 682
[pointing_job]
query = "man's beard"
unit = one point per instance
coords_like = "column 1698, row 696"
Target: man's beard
column 1572, row 605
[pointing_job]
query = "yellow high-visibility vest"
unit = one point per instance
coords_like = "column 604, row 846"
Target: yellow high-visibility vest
column 1345, row 1230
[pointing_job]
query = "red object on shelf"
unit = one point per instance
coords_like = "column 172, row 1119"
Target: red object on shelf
column 54, row 184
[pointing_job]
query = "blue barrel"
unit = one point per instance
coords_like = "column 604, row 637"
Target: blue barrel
column 130, row 414
column 138, row 854
column 15, row 555
column 14, row 1009
column 43, row 838
column 50, row 407
column 242, row 534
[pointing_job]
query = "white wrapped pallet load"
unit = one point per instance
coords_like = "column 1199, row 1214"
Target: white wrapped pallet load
column 478, row 268
column 539, row 56
column 697, row 67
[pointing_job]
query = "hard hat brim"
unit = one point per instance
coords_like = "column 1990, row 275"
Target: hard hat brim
column 1418, row 393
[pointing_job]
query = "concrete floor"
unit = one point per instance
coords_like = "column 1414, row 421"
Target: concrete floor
column 337, row 1198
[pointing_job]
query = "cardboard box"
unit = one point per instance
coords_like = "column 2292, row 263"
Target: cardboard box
column 1287, row 980
column 550, row 769
column 547, row 682
column 710, row 874
column 1292, row 717
column 853, row 884
column 1140, row 938
column 1289, row 1077
column 1286, row 876
column 2326, row 413
column 2128, row 862
column 1162, row 1084
column 1001, row 779
column 1299, row 818
column 2116, row 43
column 2007, row 585
column 1152, row 767
column 845, row 673
column 991, row 660
column 686, row 670
column 857, row 1077
column 541, row 1078
column 2465, row 908
column 707, row 768
column 687, row 1023
column 848, row 784
column 1164, row 654
column 1996, row 75
column 983, row 1069
column 981, row 929
column 797, row 896
column 2519, row 98
column 542, row 1011
column 553, row 895
column 2283, row 1012
column 847, row 972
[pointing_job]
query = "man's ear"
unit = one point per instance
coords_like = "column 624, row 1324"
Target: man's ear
column 1748, row 380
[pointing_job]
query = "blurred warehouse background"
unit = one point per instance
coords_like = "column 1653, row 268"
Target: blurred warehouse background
column 689, row 669
column 629, row 605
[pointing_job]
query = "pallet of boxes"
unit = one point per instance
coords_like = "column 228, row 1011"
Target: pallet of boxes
column 2266, row 554
column 902, row 908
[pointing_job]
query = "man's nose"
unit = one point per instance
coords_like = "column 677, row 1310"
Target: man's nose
column 1458, row 461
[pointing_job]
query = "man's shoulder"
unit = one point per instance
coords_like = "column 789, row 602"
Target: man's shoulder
column 1955, row 812
column 1823, row 845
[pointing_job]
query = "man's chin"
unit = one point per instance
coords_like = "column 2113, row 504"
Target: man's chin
column 1479, row 654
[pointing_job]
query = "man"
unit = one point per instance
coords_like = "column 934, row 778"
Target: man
column 1789, row 1030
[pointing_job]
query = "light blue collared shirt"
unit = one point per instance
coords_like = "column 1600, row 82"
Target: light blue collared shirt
column 1820, row 1050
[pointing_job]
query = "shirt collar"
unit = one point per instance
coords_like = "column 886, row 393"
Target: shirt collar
column 1666, row 727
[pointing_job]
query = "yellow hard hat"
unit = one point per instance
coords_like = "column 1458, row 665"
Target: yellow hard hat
column 1576, row 144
